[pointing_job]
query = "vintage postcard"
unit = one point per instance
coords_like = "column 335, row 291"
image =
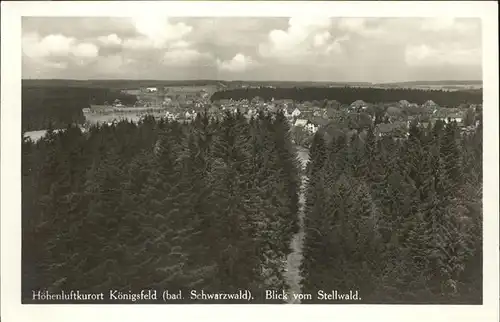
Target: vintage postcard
column 209, row 158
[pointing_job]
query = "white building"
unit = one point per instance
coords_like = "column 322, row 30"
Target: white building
column 152, row 89
column 450, row 119
column 296, row 112
column 300, row 122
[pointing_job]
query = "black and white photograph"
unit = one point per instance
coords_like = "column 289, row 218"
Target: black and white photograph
column 293, row 158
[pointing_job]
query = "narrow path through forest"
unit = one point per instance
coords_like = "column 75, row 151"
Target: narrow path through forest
column 292, row 273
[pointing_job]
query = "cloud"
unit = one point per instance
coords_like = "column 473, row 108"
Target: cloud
column 85, row 50
column 57, row 51
column 157, row 32
column 239, row 63
column 298, row 31
column 304, row 38
column 113, row 64
column 56, row 65
column 340, row 49
column 79, row 27
column 110, row 40
column 139, row 43
column 408, row 30
column 460, row 25
column 185, row 56
column 352, row 24
column 365, row 27
column 321, row 38
column 336, row 45
column 424, row 55
column 180, row 44
column 55, row 45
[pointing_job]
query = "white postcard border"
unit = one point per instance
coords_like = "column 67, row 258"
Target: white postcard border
column 11, row 308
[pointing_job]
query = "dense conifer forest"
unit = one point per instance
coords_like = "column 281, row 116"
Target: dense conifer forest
column 210, row 204
column 398, row 220
column 347, row 95
column 45, row 106
column 213, row 205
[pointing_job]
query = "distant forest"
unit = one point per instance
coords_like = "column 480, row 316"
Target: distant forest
column 400, row 221
column 160, row 205
column 56, row 107
column 116, row 84
column 347, row 95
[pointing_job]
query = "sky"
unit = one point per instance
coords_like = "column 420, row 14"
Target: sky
column 261, row 48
